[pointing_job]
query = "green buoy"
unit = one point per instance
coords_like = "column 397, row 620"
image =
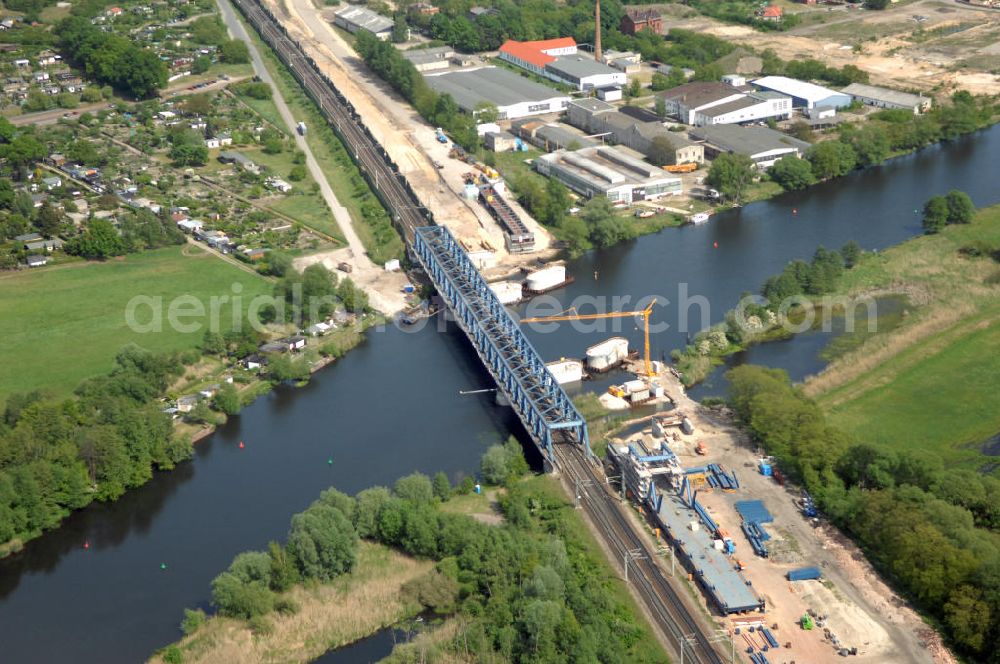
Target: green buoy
column 163, row 566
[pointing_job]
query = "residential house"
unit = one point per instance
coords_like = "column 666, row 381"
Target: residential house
column 771, row 13
column 186, row 403
column 53, row 182
column 279, row 185
column 190, row 225
column 253, row 362
column 37, row 261
column 319, row 329
column 209, row 391
column 424, row 9
column 45, row 245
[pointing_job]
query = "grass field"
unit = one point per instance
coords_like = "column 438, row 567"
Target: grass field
column 934, row 381
column 63, row 324
column 330, row 615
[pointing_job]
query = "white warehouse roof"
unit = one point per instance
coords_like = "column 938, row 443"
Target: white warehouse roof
column 810, row 92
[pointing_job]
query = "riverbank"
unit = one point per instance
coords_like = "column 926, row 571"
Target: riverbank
column 328, row 615
column 933, row 382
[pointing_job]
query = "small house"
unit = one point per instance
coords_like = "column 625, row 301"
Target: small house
column 187, row 403
column 294, row 342
column 771, row 13
column 253, row 362
column 211, row 143
column 319, row 329
column 37, row 261
column 209, row 391
column 279, row 185
column 273, row 347
column 44, row 245
column 53, row 182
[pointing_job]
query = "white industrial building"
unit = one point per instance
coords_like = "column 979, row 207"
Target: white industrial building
column 763, row 145
column 803, row 94
column 872, row 95
column 712, row 103
column 513, row 95
column 558, row 60
column 608, row 171
column 353, row 18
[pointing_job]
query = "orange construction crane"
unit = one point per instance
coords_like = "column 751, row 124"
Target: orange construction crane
column 571, row 314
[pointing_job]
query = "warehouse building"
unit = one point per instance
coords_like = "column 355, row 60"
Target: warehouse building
column 712, row 102
column 353, row 18
column 608, row 171
column 430, row 59
column 558, row 60
column 513, row 95
column 803, row 94
column 551, row 136
column 764, row 146
column 872, row 95
column 599, row 118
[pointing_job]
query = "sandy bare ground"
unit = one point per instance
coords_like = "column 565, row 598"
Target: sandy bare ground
column 397, row 126
column 885, row 45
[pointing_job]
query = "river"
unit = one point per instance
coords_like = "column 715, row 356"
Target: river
column 392, row 406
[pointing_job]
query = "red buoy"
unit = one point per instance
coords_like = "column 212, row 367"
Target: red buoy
column 86, row 545
column 715, row 244
column 241, row 445
column 795, row 210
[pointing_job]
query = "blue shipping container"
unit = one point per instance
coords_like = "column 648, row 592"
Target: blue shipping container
column 804, row 574
column 765, row 469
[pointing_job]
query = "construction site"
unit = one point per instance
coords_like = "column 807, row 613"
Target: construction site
column 782, row 583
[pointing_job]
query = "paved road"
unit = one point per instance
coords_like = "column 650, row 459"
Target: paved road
column 340, row 213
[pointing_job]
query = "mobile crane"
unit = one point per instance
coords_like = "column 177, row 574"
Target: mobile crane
column 571, row 314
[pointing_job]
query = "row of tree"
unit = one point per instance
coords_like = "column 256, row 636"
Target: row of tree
column 59, row 455
column 441, row 110
column 932, row 531
column 527, row 590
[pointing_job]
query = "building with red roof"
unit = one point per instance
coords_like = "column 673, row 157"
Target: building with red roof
column 771, row 13
column 558, row 60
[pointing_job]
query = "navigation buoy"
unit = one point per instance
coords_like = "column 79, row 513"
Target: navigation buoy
column 595, row 275
column 86, row 545
column 795, row 210
column 163, row 566
column 715, row 245
column 242, row 445
column 329, row 461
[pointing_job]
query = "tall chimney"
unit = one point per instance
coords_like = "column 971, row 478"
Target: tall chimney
column 597, row 31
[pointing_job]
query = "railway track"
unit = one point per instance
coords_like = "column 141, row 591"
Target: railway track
column 660, row 597
column 376, row 166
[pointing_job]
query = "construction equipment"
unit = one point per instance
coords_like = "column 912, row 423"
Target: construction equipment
column 701, row 448
column 571, row 314
column 681, row 168
column 807, row 622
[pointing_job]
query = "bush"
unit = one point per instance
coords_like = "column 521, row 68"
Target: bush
column 193, row 619
column 501, row 463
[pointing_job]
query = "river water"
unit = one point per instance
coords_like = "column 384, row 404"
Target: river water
column 392, row 406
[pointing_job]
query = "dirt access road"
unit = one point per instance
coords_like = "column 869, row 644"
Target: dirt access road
column 861, row 610
column 926, row 45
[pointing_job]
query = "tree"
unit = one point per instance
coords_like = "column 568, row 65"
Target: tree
column 414, row 488
column 297, row 173
column 368, row 508
column 213, row 343
column 442, row 486
column 322, row 542
column 851, row 253
column 792, row 173
column 660, row 108
column 961, row 209
column 234, row 598
column 935, row 214
column 283, row 368
column 283, row 573
column 201, row 64
column 968, row 616
column 731, row 174
column 494, row 465
column 227, row 400
column 876, row 4
column 101, row 240
column 831, row 159
column 400, row 31
column 662, row 151
column 234, row 52
column 659, row 82
column 48, row 220
column 189, row 154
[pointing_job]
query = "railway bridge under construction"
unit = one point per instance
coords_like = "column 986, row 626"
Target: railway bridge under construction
column 547, row 413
